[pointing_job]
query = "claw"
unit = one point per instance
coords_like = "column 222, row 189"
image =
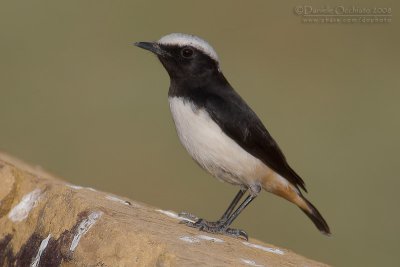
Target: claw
column 188, row 223
column 237, row 233
column 188, row 216
column 200, row 224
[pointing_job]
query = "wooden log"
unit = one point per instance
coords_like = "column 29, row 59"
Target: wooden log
column 45, row 221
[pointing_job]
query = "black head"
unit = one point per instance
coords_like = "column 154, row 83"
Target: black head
column 184, row 56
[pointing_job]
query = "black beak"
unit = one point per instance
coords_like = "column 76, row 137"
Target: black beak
column 152, row 47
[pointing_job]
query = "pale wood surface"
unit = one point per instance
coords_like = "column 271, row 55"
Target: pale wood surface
column 45, row 221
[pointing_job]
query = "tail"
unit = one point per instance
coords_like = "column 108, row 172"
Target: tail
column 280, row 186
column 311, row 211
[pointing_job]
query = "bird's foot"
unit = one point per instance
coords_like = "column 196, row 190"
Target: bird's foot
column 186, row 216
column 212, row 227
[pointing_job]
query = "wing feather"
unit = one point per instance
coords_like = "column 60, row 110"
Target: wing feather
column 241, row 123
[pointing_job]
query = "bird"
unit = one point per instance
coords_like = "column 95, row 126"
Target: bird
column 223, row 134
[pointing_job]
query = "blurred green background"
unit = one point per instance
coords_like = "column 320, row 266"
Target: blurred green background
column 78, row 99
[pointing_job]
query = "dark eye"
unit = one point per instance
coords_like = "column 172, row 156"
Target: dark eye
column 187, row 52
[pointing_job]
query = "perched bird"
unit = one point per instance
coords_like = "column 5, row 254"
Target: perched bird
column 222, row 133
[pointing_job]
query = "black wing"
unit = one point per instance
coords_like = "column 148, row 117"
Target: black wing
column 240, row 123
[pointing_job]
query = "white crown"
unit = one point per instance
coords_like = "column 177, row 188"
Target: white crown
column 182, row 39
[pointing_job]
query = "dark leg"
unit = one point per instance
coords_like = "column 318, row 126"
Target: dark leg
column 237, row 232
column 233, row 204
column 242, row 206
column 226, row 214
column 221, row 226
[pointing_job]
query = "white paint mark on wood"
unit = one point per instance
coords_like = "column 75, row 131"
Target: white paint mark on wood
column 21, row 211
column 84, row 227
column 209, row 238
column 169, row 213
column 272, row 250
column 174, row 215
column 198, row 238
column 115, row 199
column 76, row 187
column 42, row 247
column 189, row 239
column 251, row 263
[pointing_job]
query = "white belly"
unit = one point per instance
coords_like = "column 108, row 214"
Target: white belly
column 212, row 148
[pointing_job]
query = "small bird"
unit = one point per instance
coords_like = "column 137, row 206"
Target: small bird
column 223, row 134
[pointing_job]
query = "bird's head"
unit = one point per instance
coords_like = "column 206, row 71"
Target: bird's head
column 184, row 55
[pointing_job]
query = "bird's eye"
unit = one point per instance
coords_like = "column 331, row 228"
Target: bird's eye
column 187, row 52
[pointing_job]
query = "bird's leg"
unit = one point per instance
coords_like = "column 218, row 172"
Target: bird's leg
column 242, row 206
column 222, row 225
column 192, row 218
column 233, row 204
column 224, row 228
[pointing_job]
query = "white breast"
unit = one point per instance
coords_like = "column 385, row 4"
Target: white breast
column 212, row 148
